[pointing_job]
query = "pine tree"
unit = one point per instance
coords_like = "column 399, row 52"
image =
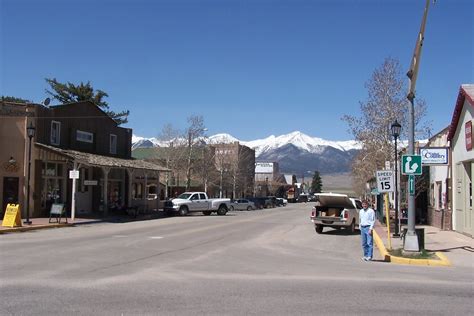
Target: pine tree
column 69, row 92
column 317, row 183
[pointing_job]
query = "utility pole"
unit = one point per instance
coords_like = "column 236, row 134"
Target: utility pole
column 411, row 239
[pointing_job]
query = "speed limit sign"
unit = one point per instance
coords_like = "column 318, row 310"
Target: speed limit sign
column 385, row 179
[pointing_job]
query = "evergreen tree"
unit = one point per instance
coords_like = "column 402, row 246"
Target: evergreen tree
column 69, row 92
column 7, row 98
column 317, row 183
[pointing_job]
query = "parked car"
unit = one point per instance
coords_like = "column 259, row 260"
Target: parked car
column 272, row 201
column 281, row 202
column 258, row 201
column 336, row 211
column 242, row 205
column 303, row 198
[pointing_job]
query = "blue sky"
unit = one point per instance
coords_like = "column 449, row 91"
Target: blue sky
column 250, row 68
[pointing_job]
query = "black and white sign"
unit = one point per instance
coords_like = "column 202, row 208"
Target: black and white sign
column 434, row 156
column 73, row 174
column 385, row 180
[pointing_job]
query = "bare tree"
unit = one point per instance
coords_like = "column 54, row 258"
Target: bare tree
column 193, row 134
column 386, row 103
column 173, row 154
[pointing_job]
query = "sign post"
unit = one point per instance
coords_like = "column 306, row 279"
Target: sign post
column 74, row 175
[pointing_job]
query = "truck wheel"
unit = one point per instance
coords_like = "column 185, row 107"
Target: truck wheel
column 183, row 211
column 319, row 228
column 222, row 210
column 207, row 213
column 352, row 228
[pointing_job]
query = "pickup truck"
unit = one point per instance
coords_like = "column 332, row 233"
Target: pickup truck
column 336, row 211
column 196, row 202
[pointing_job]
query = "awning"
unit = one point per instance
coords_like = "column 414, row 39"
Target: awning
column 103, row 161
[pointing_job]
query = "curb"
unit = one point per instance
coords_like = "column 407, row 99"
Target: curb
column 28, row 228
column 442, row 262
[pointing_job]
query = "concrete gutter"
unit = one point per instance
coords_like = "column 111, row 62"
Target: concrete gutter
column 441, row 262
column 4, row 230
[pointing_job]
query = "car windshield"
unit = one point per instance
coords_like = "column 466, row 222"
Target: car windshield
column 184, row 196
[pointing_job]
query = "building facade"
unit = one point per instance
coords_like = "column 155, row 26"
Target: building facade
column 439, row 187
column 462, row 155
column 72, row 137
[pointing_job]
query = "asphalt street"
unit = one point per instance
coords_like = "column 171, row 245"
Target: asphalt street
column 245, row 263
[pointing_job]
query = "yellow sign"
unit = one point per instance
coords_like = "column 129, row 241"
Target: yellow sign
column 12, row 216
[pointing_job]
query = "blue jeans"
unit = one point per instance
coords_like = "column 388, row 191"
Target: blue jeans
column 367, row 242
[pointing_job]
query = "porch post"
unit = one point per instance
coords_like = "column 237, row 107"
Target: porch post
column 145, row 194
column 105, row 171
column 130, row 181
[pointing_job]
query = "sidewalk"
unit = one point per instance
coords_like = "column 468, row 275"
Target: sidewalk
column 451, row 248
column 43, row 222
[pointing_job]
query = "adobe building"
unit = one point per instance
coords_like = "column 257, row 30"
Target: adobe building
column 77, row 137
column 460, row 137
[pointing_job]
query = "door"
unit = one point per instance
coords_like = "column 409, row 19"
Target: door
column 10, row 192
column 195, row 204
column 466, row 216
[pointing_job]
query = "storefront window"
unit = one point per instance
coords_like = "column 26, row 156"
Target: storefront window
column 52, row 184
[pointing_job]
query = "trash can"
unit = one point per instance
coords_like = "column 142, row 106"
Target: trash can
column 420, row 233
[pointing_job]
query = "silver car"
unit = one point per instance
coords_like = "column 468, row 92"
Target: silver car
column 242, row 205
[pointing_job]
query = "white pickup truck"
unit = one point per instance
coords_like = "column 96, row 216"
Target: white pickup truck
column 336, row 211
column 196, row 202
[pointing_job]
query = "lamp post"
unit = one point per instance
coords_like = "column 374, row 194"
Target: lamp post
column 30, row 130
column 396, row 127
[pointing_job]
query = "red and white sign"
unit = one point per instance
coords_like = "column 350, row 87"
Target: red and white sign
column 468, row 133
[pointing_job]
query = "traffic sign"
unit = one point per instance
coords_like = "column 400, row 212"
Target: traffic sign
column 385, row 179
column 411, row 165
column 411, row 185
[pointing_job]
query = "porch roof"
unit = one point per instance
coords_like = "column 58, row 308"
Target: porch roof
column 103, row 161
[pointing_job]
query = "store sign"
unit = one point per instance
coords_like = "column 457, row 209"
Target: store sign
column 434, row 156
column 468, row 135
column 264, row 167
column 74, row 174
column 12, row 216
column 90, row 182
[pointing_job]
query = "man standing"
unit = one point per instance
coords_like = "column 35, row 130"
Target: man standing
column 366, row 225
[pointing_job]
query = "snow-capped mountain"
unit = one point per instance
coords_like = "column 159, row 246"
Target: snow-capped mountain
column 296, row 152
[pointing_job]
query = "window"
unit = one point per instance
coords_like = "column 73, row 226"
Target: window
column 137, row 190
column 85, row 137
column 113, row 144
column 55, row 133
column 202, row 196
column 195, row 197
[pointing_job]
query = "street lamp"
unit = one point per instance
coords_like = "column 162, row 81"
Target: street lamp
column 30, row 131
column 396, row 128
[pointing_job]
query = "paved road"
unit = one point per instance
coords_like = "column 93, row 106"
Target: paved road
column 245, row 263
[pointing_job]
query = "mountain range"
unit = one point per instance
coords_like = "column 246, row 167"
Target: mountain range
column 296, row 152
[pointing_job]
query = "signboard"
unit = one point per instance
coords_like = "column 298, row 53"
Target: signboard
column 73, row 174
column 411, row 185
column 385, row 180
column 468, row 135
column 12, row 216
column 90, row 182
column 411, row 165
column 434, row 156
column 387, row 165
column 264, row 167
